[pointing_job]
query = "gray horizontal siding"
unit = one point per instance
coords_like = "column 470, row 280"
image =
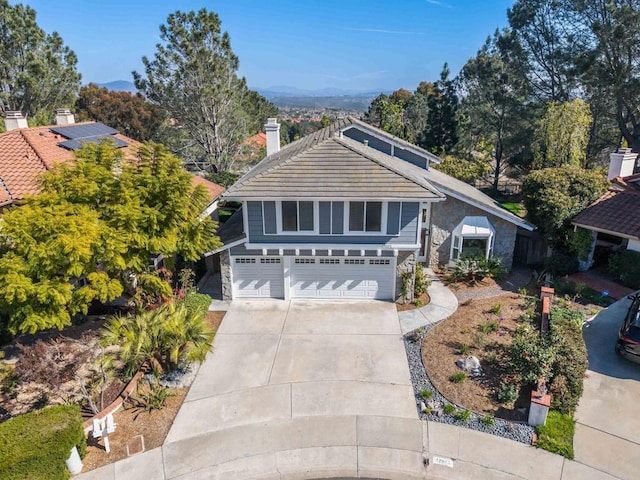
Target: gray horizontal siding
column 385, row 147
column 407, row 233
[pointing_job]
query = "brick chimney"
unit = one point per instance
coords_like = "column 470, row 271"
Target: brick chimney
column 622, row 163
column 272, row 129
column 64, row 117
column 14, row 120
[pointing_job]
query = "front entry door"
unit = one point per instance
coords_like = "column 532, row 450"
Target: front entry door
column 425, row 222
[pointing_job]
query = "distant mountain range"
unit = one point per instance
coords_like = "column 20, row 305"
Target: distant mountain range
column 119, row 86
column 288, row 91
column 287, row 96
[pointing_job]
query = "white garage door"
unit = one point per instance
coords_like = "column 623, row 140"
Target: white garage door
column 333, row 277
column 257, row 277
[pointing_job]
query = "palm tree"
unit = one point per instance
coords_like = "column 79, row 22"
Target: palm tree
column 160, row 338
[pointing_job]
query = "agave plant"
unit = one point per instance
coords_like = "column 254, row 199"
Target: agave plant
column 160, row 338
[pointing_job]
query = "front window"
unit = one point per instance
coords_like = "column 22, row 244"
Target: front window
column 365, row 216
column 473, row 237
column 297, row 217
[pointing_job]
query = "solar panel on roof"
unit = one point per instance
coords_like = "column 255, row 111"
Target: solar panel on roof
column 78, row 143
column 84, row 131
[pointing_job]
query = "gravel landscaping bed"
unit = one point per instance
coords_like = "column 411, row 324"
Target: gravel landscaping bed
column 520, row 432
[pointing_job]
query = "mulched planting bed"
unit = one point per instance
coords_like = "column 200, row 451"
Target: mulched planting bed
column 424, row 299
column 132, row 420
column 440, row 346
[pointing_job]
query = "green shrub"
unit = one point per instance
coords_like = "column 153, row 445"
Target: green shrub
column 507, row 392
column 560, row 264
column 474, row 269
column 155, row 398
column 226, row 178
column 426, row 394
column 35, row 446
column 557, row 434
column 197, row 303
column 496, row 308
column 421, row 282
column 161, row 338
column 489, row 327
column 626, row 266
column 464, row 349
column 458, row 377
column 570, row 365
column 488, row 421
column 448, row 409
column 417, row 302
column 463, row 415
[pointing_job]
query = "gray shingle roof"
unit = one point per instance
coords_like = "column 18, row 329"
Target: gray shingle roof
column 325, row 164
column 337, row 168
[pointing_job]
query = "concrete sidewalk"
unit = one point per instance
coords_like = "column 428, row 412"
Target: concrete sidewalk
column 354, row 448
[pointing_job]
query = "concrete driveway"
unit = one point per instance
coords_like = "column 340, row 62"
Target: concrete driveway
column 307, row 389
column 608, row 424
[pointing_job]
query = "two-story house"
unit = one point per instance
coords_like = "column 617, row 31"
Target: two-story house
column 346, row 212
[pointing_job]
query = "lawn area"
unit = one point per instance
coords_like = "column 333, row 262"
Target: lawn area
column 478, row 328
column 515, row 208
column 557, row 434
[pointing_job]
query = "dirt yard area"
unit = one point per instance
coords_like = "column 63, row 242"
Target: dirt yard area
column 478, row 328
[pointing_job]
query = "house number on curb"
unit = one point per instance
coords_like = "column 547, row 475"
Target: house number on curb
column 447, row 462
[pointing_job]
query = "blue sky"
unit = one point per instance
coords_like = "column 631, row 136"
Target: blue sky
column 364, row 45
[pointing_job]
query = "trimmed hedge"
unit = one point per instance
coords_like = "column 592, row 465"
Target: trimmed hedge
column 570, row 365
column 35, row 446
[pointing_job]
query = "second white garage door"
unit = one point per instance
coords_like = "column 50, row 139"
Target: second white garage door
column 335, row 277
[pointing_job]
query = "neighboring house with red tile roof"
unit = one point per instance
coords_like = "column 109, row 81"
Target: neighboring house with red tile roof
column 614, row 218
column 26, row 153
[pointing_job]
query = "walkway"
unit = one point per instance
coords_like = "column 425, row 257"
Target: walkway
column 600, row 284
column 441, row 305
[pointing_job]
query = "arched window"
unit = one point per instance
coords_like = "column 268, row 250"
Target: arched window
column 473, row 237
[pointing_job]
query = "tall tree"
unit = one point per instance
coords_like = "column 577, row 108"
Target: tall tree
column 98, row 219
column 608, row 40
column 440, row 134
column 562, row 135
column 131, row 114
column 543, row 41
column 258, row 109
column 37, row 71
column 193, row 77
column 386, row 114
column 494, row 96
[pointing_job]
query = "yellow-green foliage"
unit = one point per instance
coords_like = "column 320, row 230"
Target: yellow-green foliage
column 35, row 446
column 563, row 134
column 99, row 219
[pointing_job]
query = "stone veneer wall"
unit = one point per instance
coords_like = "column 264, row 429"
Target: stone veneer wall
column 445, row 216
column 225, row 275
column 406, row 263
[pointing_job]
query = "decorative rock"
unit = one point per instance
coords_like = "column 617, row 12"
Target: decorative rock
column 519, row 432
column 471, row 365
column 423, row 407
